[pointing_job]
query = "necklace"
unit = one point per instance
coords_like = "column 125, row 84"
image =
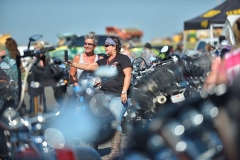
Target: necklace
column 88, row 59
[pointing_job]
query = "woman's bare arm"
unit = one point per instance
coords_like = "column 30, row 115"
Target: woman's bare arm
column 73, row 70
column 127, row 79
column 88, row 67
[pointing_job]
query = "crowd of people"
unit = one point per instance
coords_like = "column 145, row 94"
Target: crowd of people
column 225, row 69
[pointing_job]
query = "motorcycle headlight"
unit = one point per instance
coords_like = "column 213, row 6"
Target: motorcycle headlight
column 54, row 138
column 9, row 114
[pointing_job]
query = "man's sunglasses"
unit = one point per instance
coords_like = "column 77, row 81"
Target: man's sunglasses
column 107, row 45
column 89, row 44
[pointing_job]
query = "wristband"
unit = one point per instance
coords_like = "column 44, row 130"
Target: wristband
column 124, row 92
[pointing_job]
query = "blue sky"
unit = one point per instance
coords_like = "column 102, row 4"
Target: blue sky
column 157, row 18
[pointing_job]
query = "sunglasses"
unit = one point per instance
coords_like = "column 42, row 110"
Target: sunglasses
column 89, row 44
column 107, row 45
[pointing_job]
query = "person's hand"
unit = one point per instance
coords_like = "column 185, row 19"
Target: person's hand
column 22, row 69
column 124, row 98
column 97, row 84
column 68, row 63
column 213, row 76
column 2, row 53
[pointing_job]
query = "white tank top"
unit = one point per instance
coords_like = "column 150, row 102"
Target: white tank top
column 79, row 71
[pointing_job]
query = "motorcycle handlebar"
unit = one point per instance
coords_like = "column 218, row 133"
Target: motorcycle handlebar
column 35, row 119
column 164, row 62
column 145, row 71
column 36, row 53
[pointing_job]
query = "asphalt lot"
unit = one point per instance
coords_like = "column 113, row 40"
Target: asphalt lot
column 52, row 105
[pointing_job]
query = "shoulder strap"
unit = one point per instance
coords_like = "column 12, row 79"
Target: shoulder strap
column 96, row 58
column 81, row 58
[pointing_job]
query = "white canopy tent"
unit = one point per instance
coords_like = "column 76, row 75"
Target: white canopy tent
column 227, row 29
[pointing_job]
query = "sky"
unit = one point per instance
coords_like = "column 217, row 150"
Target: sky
column 156, row 18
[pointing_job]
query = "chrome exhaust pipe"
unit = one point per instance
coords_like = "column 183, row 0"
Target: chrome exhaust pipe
column 161, row 99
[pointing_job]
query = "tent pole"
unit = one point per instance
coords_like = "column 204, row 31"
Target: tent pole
column 211, row 34
column 184, row 39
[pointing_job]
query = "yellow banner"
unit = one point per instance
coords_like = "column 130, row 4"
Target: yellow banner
column 204, row 24
column 211, row 13
column 233, row 12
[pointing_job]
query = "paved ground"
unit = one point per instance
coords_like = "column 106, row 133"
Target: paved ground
column 52, row 104
column 50, row 100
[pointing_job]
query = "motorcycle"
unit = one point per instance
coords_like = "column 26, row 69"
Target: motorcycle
column 42, row 137
column 181, row 80
column 8, row 87
column 140, row 69
column 61, row 87
column 6, row 97
column 87, row 89
column 179, row 132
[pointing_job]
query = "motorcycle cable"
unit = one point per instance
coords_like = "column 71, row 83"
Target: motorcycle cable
column 45, row 73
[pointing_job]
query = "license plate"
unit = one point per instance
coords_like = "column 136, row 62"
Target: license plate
column 177, row 98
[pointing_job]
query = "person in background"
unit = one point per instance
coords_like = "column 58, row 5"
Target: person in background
column 116, row 87
column 226, row 68
column 221, row 39
column 222, row 42
column 147, row 53
column 179, row 50
column 10, row 58
column 209, row 49
column 225, row 72
column 2, row 51
column 32, row 89
column 126, row 51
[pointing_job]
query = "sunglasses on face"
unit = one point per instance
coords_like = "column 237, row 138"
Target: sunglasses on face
column 107, row 45
column 89, row 44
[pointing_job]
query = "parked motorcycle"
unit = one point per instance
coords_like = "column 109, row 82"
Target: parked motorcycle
column 8, row 87
column 8, row 95
column 60, row 89
column 173, row 81
column 87, row 89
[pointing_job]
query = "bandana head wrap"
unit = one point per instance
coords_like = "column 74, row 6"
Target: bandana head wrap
column 110, row 41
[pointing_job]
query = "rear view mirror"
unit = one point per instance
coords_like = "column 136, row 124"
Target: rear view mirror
column 164, row 49
column 35, row 37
